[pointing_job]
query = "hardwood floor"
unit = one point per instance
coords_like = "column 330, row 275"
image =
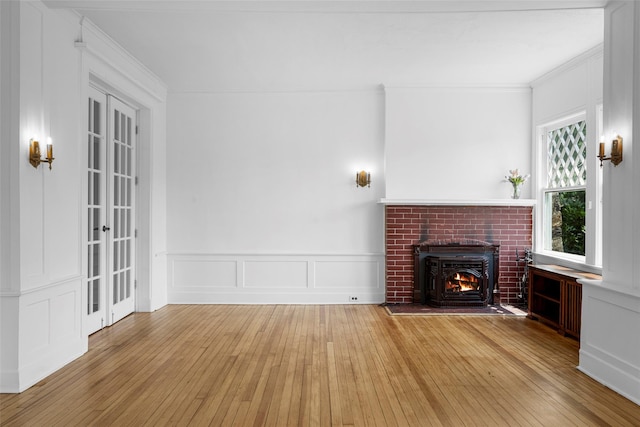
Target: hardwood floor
column 320, row 365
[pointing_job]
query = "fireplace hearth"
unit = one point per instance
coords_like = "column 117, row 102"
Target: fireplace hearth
column 453, row 274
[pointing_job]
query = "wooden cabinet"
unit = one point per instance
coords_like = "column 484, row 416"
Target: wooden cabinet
column 555, row 296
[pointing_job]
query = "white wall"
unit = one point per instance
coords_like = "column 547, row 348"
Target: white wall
column 44, row 82
column 9, row 105
column 620, row 192
column 610, row 343
column 574, row 88
column 261, row 194
column 42, row 294
column 262, row 203
column 456, row 143
column 3, row 156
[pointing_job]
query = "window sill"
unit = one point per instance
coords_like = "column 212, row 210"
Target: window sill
column 574, row 262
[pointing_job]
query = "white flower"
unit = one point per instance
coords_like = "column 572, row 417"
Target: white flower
column 515, row 178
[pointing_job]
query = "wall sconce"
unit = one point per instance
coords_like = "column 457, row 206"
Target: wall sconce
column 616, row 151
column 363, row 178
column 34, row 153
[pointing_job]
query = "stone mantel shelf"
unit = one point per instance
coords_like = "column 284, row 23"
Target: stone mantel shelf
column 454, row 202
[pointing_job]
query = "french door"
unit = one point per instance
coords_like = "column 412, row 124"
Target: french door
column 111, row 140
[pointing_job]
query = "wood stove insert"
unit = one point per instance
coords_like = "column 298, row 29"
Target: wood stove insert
column 451, row 274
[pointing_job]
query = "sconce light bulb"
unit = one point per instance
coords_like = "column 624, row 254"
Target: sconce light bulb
column 49, row 140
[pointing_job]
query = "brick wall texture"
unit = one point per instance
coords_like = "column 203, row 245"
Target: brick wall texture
column 511, row 227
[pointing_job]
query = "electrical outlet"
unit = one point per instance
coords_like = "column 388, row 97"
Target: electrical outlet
column 353, row 299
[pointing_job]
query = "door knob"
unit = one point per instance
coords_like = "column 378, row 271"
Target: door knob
column 105, row 228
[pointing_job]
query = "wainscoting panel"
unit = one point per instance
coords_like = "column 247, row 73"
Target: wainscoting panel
column 205, row 273
column 36, row 330
column 273, row 274
column 64, row 325
column 352, row 274
column 50, row 317
column 275, row 279
column 608, row 314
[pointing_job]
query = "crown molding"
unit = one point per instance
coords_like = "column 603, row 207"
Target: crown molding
column 329, row 6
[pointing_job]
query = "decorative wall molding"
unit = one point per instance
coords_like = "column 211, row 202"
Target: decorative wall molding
column 276, row 278
column 573, row 63
column 608, row 314
column 43, row 288
column 116, row 59
column 335, row 6
column 458, row 87
column 51, row 333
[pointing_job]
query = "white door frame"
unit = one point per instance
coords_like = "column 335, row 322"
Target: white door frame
column 106, row 65
column 110, row 288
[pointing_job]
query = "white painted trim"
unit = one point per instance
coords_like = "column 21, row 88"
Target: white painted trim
column 453, row 202
column 609, row 376
column 279, row 255
column 621, row 292
column 41, row 288
column 10, row 153
column 449, row 87
column 104, row 48
column 272, row 297
column 606, row 313
column 380, row 6
column 571, row 64
column 309, row 90
column 106, row 63
column 468, row 87
column 52, row 361
column 287, row 278
column 40, row 359
column 548, row 258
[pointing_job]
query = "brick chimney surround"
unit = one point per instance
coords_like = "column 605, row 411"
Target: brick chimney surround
column 508, row 223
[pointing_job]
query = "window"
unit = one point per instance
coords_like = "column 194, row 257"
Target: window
column 564, row 195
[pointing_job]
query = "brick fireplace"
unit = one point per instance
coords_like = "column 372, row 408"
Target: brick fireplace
column 509, row 226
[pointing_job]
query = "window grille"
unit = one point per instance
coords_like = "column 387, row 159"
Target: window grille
column 566, row 156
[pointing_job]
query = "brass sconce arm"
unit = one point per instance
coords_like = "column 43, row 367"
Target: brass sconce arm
column 34, row 154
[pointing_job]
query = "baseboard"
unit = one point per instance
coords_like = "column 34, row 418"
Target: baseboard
column 252, row 298
column 48, row 363
column 10, row 382
column 624, row 383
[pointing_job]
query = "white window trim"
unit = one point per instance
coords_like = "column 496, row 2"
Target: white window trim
column 591, row 261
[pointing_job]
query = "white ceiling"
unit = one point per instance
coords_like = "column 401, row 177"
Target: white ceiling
column 204, row 46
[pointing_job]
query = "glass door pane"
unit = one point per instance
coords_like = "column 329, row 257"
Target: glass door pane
column 122, row 205
column 96, row 138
